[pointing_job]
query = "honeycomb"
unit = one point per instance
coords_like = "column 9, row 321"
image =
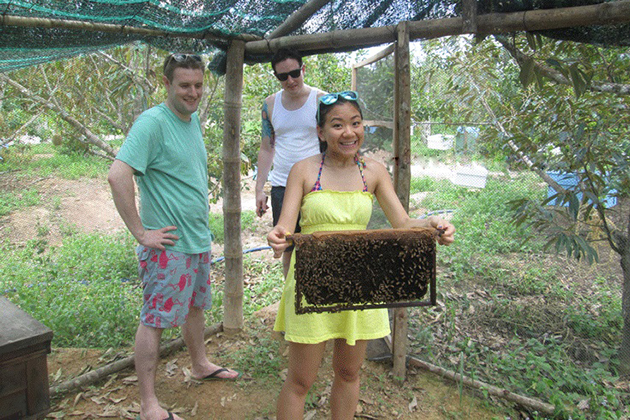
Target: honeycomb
column 350, row 270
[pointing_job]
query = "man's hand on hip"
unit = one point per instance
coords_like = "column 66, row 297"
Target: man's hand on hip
column 158, row 238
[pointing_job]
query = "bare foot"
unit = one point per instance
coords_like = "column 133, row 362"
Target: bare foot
column 158, row 414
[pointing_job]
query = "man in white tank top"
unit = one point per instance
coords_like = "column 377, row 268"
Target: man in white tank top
column 289, row 133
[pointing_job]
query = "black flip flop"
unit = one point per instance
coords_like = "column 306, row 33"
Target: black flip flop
column 214, row 375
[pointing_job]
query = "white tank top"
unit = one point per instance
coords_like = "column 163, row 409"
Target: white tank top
column 296, row 136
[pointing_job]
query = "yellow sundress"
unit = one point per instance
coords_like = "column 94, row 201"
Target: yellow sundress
column 327, row 210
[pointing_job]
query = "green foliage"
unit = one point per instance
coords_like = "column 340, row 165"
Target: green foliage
column 10, row 201
column 265, row 283
column 544, row 372
column 80, row 290
column 248, row 218
column 329, row 72
column 555, row 327
column 260, row 357
column 561, row 125
column 44, row 160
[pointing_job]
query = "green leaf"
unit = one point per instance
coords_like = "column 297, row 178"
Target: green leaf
column 579, row 84
column 527, row 75
column 531, row 40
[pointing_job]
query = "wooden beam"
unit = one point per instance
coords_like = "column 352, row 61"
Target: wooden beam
column 31, row 22
column 402, row 175
column 611, row 13
column 379, row 123
column 128, row 362
column 233, row 249
column 529, row 402
column 298, row 17
column 378, row 56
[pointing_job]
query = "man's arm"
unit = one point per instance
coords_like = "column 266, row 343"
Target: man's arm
column 265, row 159
column 120, row 179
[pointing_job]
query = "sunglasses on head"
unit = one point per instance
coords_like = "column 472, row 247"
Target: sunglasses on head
column 180, row 58
column 331, row 98
column 293, row 73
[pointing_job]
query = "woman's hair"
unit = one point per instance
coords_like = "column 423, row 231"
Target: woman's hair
column 324, row 109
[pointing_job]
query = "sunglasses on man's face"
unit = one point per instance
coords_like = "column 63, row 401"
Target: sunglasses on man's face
column 293, row 73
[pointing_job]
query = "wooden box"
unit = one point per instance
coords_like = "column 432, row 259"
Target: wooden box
column 24, row 346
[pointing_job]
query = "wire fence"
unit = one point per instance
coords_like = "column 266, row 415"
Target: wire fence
column 511, row 313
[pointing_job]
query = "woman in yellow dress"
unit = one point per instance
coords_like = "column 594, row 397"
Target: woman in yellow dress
column 334, row 191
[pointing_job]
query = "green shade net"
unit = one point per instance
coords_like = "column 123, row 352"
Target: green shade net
column 203, row 26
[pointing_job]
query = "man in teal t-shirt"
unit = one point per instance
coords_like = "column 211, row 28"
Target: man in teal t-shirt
column 165, row 152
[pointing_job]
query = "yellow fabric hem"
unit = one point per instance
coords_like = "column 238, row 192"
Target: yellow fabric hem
column 350, row 342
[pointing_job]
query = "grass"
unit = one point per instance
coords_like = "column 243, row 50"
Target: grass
column 509, row 317
column 42, row 160
column 81, row 290
column 86, row 290
column 11, row 201
column 248, row 219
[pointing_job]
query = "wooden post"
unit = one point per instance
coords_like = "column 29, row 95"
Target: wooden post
column 402, row 174
column 233, row 250
column 469, row 16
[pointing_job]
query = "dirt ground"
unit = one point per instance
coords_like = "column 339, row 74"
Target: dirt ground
column 86, row 205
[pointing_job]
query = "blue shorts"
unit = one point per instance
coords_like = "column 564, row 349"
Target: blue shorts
column 172, row 282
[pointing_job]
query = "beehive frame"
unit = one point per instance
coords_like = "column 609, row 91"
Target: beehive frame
column 368, row 269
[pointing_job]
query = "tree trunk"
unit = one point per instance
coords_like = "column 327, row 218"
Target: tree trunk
column 624, row 350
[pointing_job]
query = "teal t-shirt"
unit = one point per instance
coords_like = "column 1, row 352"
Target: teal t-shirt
column 171, row 168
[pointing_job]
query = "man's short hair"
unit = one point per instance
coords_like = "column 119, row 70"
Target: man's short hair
column 283, row 54
column 185, row 61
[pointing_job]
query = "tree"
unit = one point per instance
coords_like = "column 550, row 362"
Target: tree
column 94, row 95
column 570, row 115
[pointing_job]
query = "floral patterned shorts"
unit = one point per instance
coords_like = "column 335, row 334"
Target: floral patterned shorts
column 172, row 282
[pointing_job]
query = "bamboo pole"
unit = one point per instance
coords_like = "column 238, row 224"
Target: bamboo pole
column 376, row 57
column 298, row 17
column 100, row 373
column 533, row 403
column 610, row 13
column 233, row 249
column 32, row 22
column 402, row 174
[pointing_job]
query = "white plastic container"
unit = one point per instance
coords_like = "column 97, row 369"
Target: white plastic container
column 470, row 176
column 440, row 141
